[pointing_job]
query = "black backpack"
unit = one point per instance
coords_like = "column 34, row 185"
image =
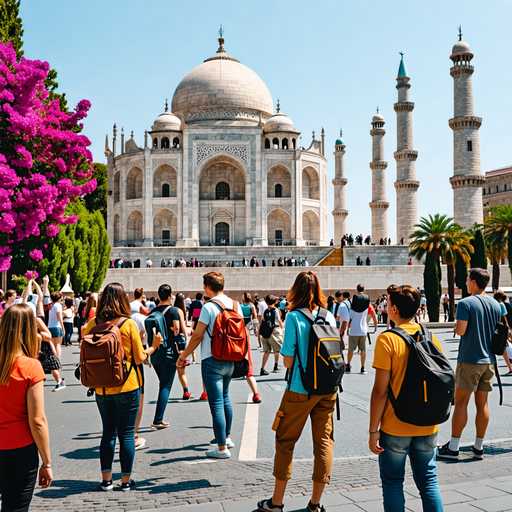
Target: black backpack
column 426, row 395
column 268, row 322
column 360, row 302
column 325, row 365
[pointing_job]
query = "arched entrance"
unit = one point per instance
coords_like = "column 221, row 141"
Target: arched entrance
column 134, row 184
column 310, row 184
column 165, row 227
column 222, row 233
column 310, row 226
column 134, row 227
column 116, row 229
column 279, row 227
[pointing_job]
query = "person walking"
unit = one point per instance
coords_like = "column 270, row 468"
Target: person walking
column 118, row 406
column 164, row 360
column 68, row 318
column 216, row 373
column 270, row 330
column 195, row 310
column 24, row 434
column 249, row 312
column 476, row 318
column 391, row 439
column 358, row 327
column 297, row 406
column 181, row 342
column 55, row 322
column 445, row 300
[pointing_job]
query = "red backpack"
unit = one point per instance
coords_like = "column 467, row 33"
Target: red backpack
column 230, row 338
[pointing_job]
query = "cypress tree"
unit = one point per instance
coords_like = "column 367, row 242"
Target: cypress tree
column 461, row 272
column 479, row 257
column 432, row 287
column 11, row 26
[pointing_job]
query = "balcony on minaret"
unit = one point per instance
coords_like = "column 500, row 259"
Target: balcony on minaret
column 404, row 106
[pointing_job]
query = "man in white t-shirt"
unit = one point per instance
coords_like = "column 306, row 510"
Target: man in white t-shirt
column 216, row 373
column 262, row 306
column 358, row 328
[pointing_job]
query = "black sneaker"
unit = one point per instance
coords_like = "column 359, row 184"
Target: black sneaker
column 348, row 368
column 263, row 372
column 107, row 485
column 444, row 452
column 128, row 486
column 477, row 454
column 268, row 506
column 276, row 368
column 315, row 508
column 363, row 371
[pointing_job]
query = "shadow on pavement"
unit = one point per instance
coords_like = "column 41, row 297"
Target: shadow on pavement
column 83, row 453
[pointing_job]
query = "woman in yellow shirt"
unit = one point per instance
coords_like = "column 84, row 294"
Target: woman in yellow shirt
column 394, row 440
column 119, row 406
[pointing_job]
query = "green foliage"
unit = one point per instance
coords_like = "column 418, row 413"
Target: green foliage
column 98, row 199
column 11, row 26
column 80, row 249
column 19, row 284
column 461, row 272
column 500, row 221
column 479, row 257
column 432, row 287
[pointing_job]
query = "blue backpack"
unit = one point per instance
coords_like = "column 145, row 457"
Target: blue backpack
column 167, row 352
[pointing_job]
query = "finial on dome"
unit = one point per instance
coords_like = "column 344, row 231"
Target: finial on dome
column 460, row 33
column 341, row 132
column 166, row 105
column 115, row 131
column 132, row 134
column 313, row 135
column 278, row 107
column 221, row 40
column 377, row 109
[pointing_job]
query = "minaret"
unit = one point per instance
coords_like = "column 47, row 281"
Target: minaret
column 467, row 179
column 340, row 211
column 406, row 184
column 379, row 204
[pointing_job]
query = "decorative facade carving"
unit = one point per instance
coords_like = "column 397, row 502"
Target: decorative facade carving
column 158, row 207
column 224, row 113
column 308, row 163
column 173, row 163
column 130, row 209
column 315, row 209
column 287, row 164
column 217, row 210
column 204, row 151
column 138, row 163
column 285, row 207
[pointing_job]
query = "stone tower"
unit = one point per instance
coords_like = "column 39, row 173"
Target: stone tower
column 340, row 211
column 406, row 184
column 467, row 179
column 379, row 204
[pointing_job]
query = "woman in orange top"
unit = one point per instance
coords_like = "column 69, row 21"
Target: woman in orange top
column 119, row 406
column 23, row 425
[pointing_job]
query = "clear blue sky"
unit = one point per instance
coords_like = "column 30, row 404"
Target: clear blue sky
column 329, row 62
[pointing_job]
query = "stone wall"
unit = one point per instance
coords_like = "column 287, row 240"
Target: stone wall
column 279, row 279
column 379, row 255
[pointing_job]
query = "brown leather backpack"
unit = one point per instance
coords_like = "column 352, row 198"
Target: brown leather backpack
column 103, row 362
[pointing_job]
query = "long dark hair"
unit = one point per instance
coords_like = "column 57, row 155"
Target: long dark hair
column 179, row 302
column 330, row 302
column 113, row 303
column 306, row 292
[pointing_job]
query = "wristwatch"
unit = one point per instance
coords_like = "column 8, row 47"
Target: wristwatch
column 46, row 466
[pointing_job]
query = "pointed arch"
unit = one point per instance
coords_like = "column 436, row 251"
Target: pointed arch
column 310, row 226
column 165, row 226
column 134, row 227
column 134, row 183
column 165, row 175
column 279, row 174
column 279, row 227
column 310, row 184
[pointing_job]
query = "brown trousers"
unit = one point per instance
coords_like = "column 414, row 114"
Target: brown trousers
column 297, row 408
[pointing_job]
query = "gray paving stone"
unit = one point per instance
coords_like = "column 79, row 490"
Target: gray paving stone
column 498, row 504
column 366, row 495
column 450, row 497
column 372, row 506
column 482, row 491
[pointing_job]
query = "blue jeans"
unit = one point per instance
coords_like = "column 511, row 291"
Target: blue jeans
column 68, row 333
column 216, row 378
column 118, row 415
column 166, row 373
column 422, row 454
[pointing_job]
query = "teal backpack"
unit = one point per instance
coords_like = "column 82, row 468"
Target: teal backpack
column 167, row 352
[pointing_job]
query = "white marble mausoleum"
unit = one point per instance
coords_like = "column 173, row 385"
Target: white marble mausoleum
column 221, row 169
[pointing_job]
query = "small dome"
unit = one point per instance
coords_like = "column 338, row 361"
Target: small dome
column 340, row 142
column 377, row 118
column 166, row 121
column 279, row 123
column 461, row 47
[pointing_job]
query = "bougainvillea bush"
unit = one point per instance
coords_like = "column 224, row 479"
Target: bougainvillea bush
column 44, row 160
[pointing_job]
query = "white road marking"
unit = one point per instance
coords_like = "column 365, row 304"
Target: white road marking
column 249, row 444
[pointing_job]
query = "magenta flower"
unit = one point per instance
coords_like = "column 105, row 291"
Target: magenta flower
column 36, row 254
column 52, row 230
column 31, row 274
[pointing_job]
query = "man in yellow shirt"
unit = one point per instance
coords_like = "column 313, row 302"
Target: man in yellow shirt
column 391, row 439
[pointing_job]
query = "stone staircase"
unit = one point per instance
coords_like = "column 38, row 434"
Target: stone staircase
column 333, row 259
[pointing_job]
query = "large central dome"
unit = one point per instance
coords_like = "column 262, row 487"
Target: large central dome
column 222, row 81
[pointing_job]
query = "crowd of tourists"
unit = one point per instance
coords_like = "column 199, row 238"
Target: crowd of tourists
column 307, row 333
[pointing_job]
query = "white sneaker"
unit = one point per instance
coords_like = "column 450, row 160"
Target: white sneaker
column 217, row 454
column 229, row 443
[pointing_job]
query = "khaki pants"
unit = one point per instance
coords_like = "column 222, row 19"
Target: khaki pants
column 297, row 408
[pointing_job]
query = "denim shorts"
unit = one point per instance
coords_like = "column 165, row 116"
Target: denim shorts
column 57, row 332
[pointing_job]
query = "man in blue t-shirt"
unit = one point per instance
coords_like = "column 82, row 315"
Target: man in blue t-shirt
column 476, row 318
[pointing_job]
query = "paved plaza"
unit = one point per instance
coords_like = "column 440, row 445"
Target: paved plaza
column 173, row 471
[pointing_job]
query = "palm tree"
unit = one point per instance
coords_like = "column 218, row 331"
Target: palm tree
column 457, row 241
column 497, row 250
column 430, row 237
column 500, row 221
